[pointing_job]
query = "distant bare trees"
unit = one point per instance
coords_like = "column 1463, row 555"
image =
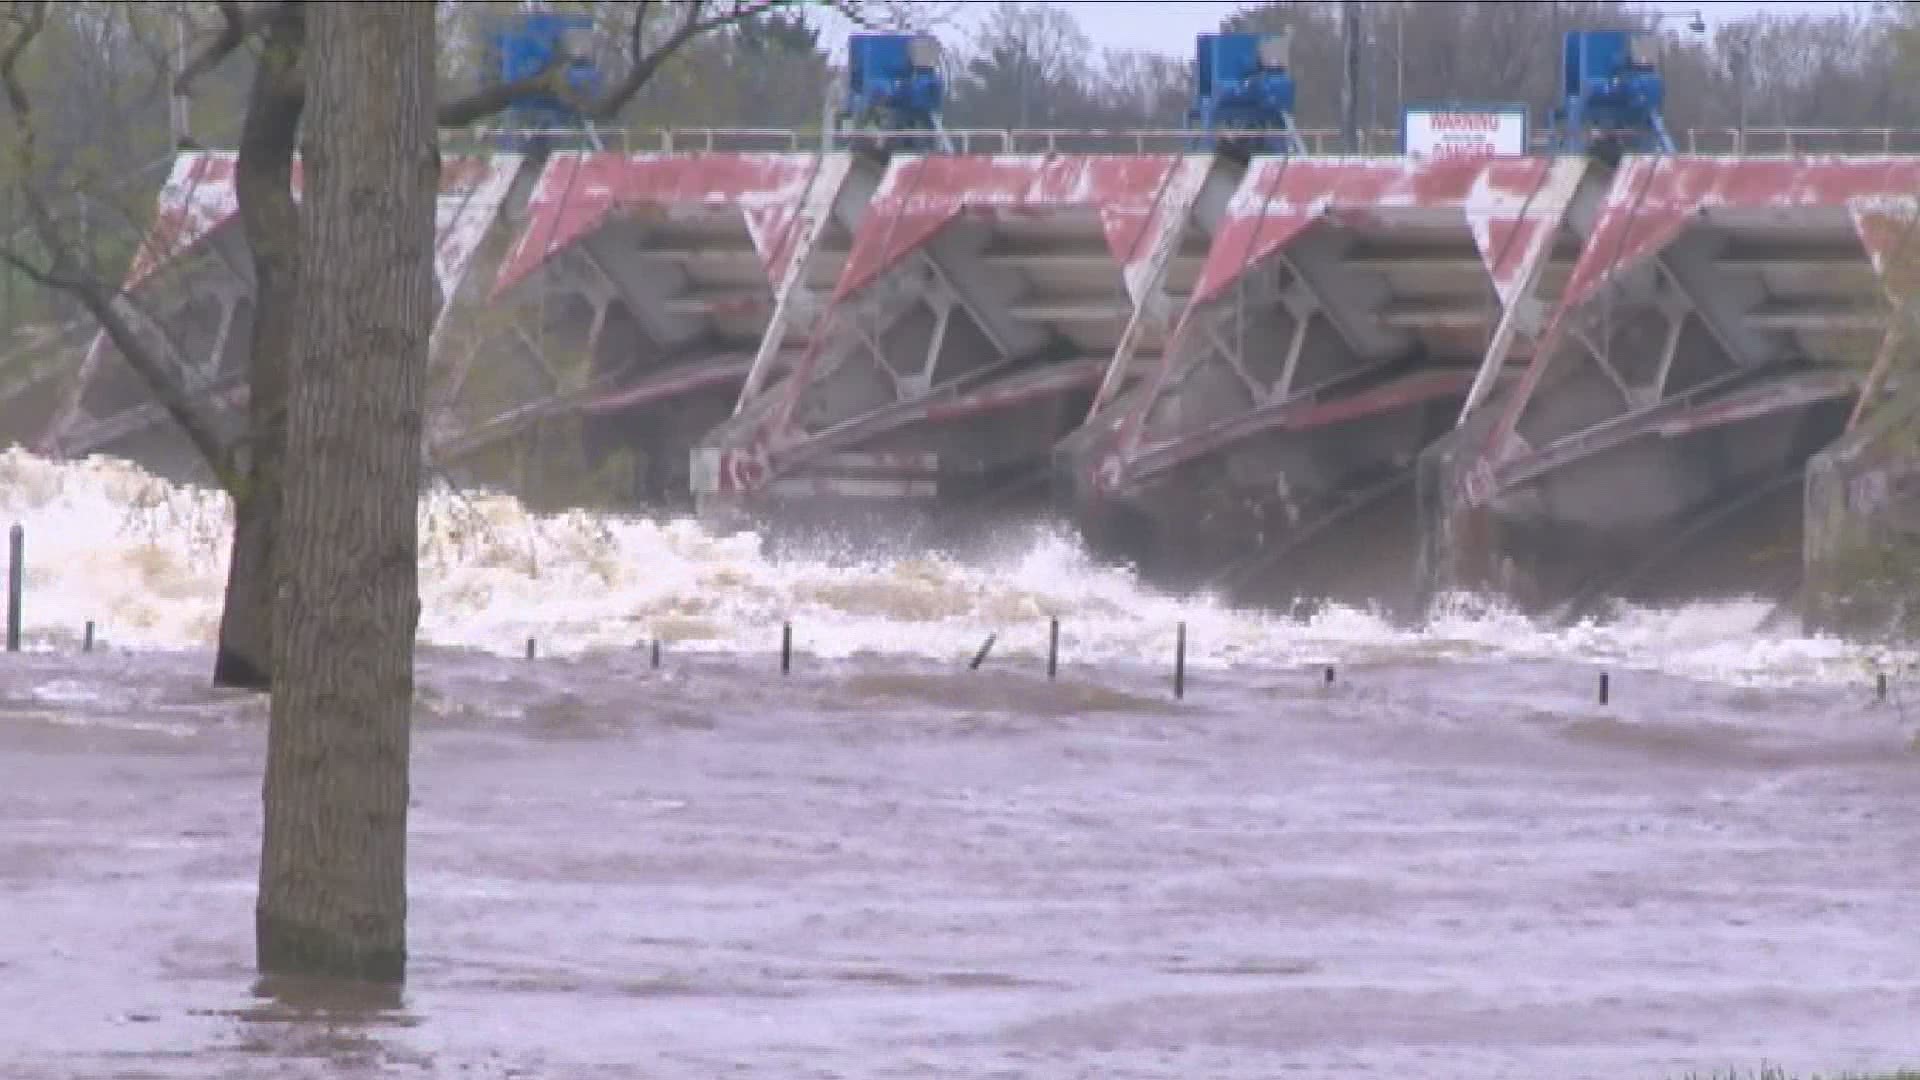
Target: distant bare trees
column 1835, row 68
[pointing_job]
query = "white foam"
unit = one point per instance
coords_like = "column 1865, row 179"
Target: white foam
column 147, row 561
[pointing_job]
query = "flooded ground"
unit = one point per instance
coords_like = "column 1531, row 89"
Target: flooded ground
column 1453, row 862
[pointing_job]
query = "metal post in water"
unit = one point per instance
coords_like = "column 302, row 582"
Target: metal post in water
column 981, row 656
column 86, row 642
column 1329, row 674
column 786, row 648
column 16, row 582
column 656, row 654
column 1880, row 688
column 1180, row 662
column 1603, row 688
column 1053, row 649
column 1350, row 85
column 530, row 648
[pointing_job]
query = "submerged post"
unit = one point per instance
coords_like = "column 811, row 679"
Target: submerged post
column 531, row 648
column 1053, row 648
column 1603, row 688
column 86, row 642
column 16, row 582
column 981, row 656
column 786, row 648
column 1880, row 688
column 656, row 654
column 1180, row 662
column 1329, row 674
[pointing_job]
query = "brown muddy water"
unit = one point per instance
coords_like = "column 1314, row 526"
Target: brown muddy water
column 1451, row 863
column 883, row 867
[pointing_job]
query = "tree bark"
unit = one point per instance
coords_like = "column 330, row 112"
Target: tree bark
column 333, row 864
column 263, row 182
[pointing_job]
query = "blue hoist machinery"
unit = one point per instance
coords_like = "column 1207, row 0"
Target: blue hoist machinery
column 1243, row 94
column 528, row 42
column 1611, row 92
column 894, row 86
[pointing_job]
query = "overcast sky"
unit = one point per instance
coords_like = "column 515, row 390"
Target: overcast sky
column 1169, row 25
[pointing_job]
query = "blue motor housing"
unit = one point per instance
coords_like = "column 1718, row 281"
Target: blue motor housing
column 1242, row 83
column 527, row 43
column 1611, row 91
column 893, row 82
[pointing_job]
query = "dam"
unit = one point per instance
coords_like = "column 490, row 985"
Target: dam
column 1651, row 366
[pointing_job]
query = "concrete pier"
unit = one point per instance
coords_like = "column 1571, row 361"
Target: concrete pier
column 1347, row 311
column 643, row 294
column 986, row 301
column 1714, row 336
column 191, row 294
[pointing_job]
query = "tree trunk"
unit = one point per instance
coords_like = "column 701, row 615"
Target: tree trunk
column 263, row 181
column 333, row 896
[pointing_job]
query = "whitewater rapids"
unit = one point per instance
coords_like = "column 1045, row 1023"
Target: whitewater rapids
column 1453, row 862
column 146, row 561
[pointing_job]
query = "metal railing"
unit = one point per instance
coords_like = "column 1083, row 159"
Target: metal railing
column 1788, row 140
column 1752, row 140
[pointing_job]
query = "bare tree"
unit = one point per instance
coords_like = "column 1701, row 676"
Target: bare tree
column 909, row 16
column 66, row 261
column 1142, row 89
column 1028, row 64
column 346, row 607
column 263, row 180
column 244, row 458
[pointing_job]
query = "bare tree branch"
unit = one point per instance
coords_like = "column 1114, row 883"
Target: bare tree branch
column 104, row 302
column 700, row 17
column 478, row 106
column 238, row 23
column 45, row 278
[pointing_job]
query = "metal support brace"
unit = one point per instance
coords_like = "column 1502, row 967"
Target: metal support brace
column 1302, row 305
column 240, row 274
column 1299, row 285
column 1210, row 322
column 1605, row 365
column 1149, row 312
column 1145, row 279
column 942, row 301
column 1719, row 322
column 1303, row 316
column 867, row 331
column 611, row 287
column 1676, row 325
column 882, row 304
column 1235, row 361
column 917, row 383
column 791, row 297
column 1521, row 311
column 210, row 367
column 1902, row 319
column 601, row 304
column 945, row 281
column 461, row 369
column 1877, row 376
column 534, row 350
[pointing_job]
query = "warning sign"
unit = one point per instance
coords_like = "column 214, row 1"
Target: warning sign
column 1450, row 131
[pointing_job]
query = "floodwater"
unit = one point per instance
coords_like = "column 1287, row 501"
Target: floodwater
column 1451, row 862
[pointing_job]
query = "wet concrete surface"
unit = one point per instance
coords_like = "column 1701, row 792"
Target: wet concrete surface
column 893, row 868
